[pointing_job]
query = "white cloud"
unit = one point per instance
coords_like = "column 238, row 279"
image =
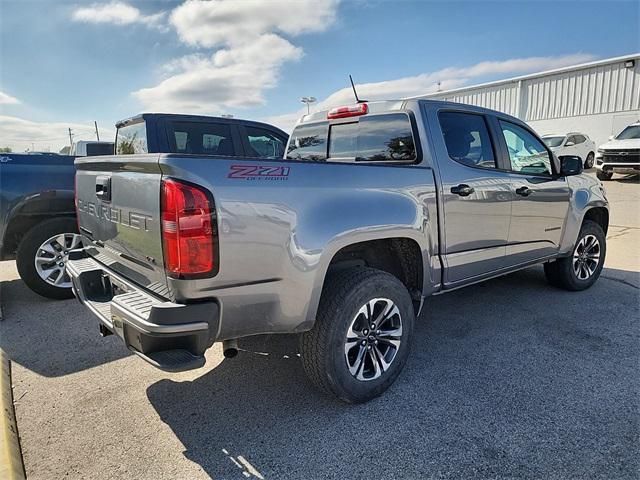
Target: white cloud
column 21, row 134
column 425, row 83
column 6, row 99
column 117, row 13
column 230, row 22
column 250, row 52
column 229, row 78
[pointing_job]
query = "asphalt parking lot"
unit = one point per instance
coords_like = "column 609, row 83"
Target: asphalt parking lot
column 510, row 378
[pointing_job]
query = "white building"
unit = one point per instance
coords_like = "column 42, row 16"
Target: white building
column 597, row 98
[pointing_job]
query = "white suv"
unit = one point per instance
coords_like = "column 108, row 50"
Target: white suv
column 621, row 154
column 573, row 143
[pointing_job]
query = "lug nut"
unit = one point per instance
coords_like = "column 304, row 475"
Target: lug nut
column 366, row 332
column 363, row 342
column 61, row 264
column 375, row 342
column 369, row 347
column 373, row 327
column 377, row 332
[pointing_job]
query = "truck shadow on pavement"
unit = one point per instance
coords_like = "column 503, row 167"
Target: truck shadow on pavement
column 52, row 337
column 510, row 378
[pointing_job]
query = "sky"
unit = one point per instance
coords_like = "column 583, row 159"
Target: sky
column 65, row 64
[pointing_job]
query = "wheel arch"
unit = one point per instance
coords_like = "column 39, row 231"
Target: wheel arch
column 402, row 256
column 599, row 215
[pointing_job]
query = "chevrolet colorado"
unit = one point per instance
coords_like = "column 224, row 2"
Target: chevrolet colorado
column 374, row 207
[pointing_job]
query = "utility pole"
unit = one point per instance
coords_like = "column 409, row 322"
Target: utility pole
column 97, row 134
column 70, row 138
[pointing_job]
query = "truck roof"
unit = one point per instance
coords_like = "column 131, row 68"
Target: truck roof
column 388, row 105
column 187, row 118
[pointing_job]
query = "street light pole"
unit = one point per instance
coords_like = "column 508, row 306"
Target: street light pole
column 308, row 101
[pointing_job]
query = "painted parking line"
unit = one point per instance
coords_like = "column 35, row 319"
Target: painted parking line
column 11, row 465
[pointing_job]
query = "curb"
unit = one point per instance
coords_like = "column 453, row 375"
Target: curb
column 11, row 464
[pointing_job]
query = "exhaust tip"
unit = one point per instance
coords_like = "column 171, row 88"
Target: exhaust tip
column 230, row 348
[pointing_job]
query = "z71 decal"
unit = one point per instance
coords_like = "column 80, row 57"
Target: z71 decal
column 258, row 172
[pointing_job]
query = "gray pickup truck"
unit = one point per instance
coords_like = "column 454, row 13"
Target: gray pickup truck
column 374, row 208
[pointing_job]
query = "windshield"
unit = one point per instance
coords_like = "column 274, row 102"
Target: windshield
column 632, row 131
column 553, row 141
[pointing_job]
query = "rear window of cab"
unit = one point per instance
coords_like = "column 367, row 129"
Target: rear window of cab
column 369, row 138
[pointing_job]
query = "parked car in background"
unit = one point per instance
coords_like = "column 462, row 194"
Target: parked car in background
column 573, row 143
column 37, row 214
column 91, row 148
column 375, row 207
column 621, row 154
column 38, row 219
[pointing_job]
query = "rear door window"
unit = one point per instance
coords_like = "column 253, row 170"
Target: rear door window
column 131, row 139
column 264, row 143
column 204, row 138
column 467, row 139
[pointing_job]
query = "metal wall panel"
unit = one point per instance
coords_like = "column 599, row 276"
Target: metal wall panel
column 503, row 98
column 594, row 89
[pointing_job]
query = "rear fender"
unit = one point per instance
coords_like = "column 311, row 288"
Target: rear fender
column 347, row 221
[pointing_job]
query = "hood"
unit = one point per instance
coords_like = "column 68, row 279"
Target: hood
column 613, row 144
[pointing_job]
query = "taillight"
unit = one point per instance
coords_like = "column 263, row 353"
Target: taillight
column 348, row 111
column 187, row 230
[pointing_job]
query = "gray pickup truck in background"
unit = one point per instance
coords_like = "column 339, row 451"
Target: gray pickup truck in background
column 374, row 208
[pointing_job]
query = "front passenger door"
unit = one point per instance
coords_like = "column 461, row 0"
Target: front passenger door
column 541, row 198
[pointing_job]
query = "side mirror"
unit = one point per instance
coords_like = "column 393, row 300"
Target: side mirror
column 569, row 144
column 570, row 165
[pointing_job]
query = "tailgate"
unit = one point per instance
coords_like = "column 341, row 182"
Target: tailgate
column 118, row 202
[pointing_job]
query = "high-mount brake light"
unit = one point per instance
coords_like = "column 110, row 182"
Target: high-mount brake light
column 188, row 229
column 348, row 111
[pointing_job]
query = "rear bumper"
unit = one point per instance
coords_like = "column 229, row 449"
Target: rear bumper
column 170, row 336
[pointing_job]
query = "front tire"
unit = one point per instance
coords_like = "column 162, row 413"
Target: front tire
column 42, row 256
column 588, row 163
column 583, row 267
column 361, row 338
column 604, row 175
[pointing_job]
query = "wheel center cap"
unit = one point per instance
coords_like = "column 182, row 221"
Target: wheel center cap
column 372, row 338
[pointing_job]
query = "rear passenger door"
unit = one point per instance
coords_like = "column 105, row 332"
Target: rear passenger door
column 541, row 198
column 476, row 196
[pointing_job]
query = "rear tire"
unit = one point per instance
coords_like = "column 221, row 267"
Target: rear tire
column 588, row 163
column 580, row 270
column 342, row 355
column 30, row 248
column 604, row 175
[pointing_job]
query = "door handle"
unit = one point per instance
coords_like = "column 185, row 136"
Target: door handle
column 462, row 190
column 524, row 191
